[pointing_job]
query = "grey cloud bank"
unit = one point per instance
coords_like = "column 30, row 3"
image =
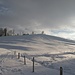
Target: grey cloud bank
column 38, row 15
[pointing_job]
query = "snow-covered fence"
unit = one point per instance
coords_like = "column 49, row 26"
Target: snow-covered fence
column 33, row 61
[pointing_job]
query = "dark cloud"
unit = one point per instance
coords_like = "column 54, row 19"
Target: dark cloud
column 37, row 15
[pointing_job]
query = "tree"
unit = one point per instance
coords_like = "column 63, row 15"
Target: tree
column 42, row 32
column 13, row 31
column 5, row 31
column 1, row 31
column 10, row 32
column 32, row 32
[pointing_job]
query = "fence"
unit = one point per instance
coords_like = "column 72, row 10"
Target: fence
column 33, row 65
column 33, row 61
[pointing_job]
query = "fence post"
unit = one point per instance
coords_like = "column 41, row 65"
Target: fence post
column 14, row 53
column 33, row 64
column 61, row 71
column 24, row 60
column 18, row 55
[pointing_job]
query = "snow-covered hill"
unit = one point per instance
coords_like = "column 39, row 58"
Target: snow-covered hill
column 50, row 54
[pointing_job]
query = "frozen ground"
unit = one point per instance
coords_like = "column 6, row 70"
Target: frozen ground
column 50, row 54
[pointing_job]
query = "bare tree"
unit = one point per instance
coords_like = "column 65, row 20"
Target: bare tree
column 5, row 31
column 42, row 32
column 32, row 32
column 1, row 31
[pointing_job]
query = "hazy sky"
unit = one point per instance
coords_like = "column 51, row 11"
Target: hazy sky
column 55, row 17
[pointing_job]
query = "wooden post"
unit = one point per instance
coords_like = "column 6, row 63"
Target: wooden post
column 61, row 71
column 33, row 64
column 14, row 53
column 18, row 55
column 24, row 60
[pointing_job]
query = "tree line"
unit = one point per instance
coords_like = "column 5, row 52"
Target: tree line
column 5, row 32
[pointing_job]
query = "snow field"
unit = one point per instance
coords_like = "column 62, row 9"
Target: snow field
column 50, row 54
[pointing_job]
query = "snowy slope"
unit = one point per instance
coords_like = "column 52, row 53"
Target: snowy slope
column 50, row 54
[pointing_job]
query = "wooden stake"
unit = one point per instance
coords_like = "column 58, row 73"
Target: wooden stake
column 61, row 71
column 33, row 64
column 18, row 55
column 24, row 60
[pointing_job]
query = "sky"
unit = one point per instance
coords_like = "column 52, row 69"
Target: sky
column 54, row 17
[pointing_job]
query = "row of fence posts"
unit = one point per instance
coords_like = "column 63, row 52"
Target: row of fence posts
column 61, row 69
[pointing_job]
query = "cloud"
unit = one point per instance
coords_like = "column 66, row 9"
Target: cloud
column 37, row 15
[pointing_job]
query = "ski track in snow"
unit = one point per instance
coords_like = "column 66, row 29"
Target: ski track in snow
column 11, row 69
